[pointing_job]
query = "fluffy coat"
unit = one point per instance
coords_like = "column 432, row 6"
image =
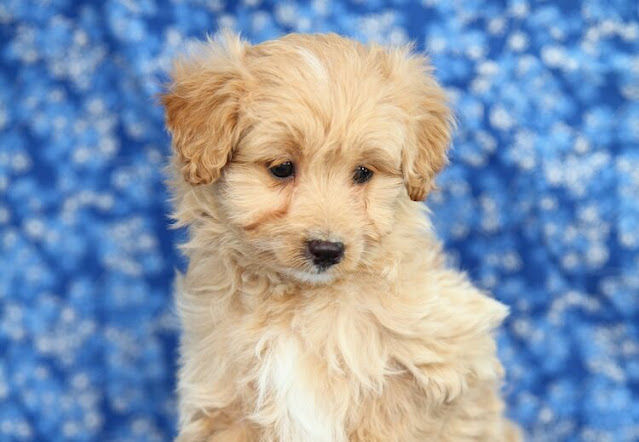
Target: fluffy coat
column 387, row 345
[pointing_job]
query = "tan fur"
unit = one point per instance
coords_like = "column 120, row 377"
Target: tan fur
column 387, row 345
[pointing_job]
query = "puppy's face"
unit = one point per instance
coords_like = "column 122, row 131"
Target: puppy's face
column 309, row 144
column 312, row 191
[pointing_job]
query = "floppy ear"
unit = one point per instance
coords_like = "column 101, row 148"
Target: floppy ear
column 424, row 155
column 203, row 107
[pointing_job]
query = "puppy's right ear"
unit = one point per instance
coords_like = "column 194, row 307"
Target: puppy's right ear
column 203, row 107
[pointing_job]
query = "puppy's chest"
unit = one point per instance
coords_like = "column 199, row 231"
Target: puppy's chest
column 309, row 383
column 296, row 393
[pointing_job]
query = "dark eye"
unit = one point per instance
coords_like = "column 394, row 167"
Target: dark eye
column 283, row 170
column 362, row 175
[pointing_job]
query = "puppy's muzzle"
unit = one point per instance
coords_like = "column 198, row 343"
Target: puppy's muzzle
column 325, row 254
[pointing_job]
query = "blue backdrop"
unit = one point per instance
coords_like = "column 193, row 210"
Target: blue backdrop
column 540, row 204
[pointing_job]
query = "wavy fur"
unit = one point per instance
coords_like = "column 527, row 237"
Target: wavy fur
column 387, row 345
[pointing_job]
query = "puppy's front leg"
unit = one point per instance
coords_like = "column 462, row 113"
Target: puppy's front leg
column 477, row 416
column 216, row 427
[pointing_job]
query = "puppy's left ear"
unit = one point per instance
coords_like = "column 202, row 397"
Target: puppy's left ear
column 424, row 154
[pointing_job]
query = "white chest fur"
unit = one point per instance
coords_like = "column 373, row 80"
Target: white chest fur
column 288, row 396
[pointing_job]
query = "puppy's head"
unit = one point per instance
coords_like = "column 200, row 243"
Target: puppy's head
column 307, row 144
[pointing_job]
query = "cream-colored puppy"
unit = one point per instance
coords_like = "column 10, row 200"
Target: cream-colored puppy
column 316, row 305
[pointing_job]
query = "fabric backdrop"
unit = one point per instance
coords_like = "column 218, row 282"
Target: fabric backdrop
column 540, row 204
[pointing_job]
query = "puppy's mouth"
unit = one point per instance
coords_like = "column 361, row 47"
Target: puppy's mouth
column 315, row 277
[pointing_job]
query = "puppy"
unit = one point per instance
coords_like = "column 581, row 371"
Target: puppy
column 317, row 306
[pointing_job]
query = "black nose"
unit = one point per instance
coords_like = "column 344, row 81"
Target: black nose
column 325, row 253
